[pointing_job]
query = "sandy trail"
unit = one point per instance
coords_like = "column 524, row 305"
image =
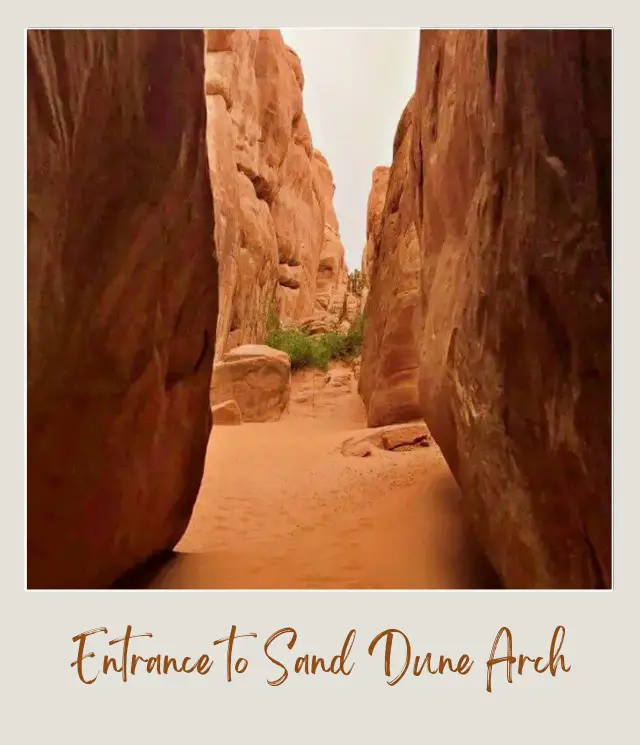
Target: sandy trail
column 280, row 507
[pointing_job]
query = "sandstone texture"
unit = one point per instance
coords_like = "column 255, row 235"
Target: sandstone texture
column 389, row 374
column 228, row 412
column 337, row 298
column 121, row 299
column 273, row 193
column 512, row 175
column 329, row 395
column 375, row 208
column 393, row 438
column 257, row 378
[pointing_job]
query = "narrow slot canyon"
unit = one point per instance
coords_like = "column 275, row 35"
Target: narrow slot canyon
column 224, row 392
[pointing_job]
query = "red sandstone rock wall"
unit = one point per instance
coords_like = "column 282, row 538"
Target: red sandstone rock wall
column 336, row 303
column 269, row 209
column 388, row 380
column 512, row 152
column 375, row 207
column 122, row 298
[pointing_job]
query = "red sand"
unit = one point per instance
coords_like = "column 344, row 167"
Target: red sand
column 281, row 507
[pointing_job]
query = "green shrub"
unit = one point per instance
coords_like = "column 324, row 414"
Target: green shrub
column 302, row 349
column 354, row 337
column 273, row 322
column 317, row 351
column 334, row 343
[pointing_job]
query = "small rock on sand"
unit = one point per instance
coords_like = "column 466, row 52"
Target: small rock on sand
column 227, row 412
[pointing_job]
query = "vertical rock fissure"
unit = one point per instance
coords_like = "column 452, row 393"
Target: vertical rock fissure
column 601, row 145
column 492, row 60
column 437, row 75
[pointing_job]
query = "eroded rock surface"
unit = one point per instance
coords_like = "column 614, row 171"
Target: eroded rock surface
column 512, row 153
column 270, row 186
column 122, row 299
column 393, row 438
column 375, row 207
column 228, row 412
column 389, row 374
column 337, row 301
column 329, row 395
column 257, row 378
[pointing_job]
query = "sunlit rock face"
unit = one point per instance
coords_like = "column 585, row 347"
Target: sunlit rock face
column 512, row 177
column 273, row 193
column 122, row 299
column 391, row 264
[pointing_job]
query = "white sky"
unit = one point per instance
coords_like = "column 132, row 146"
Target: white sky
column 357, row 82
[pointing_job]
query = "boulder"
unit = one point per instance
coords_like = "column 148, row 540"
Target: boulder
column 121, row 299
column 512, row 176
column 320, row 323
column 393, row 438
column 227, row 412
column 257, row 378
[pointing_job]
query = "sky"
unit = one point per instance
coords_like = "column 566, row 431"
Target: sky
column 357, row 83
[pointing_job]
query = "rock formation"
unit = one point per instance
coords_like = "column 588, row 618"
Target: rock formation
column 395, row 438
column 337, row 303
column 512, row 154
column 122, row 299
column 330, row 394
column 375, row 206
column 269, row 212
column 391, row 265
column 227, row 412
column 277, row 234
column 257, row 378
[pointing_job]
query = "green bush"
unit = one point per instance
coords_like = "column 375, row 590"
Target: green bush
column 354, row 337
column 334, row 343
column 302, row 349
column 273, row 322
column 305, row 350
